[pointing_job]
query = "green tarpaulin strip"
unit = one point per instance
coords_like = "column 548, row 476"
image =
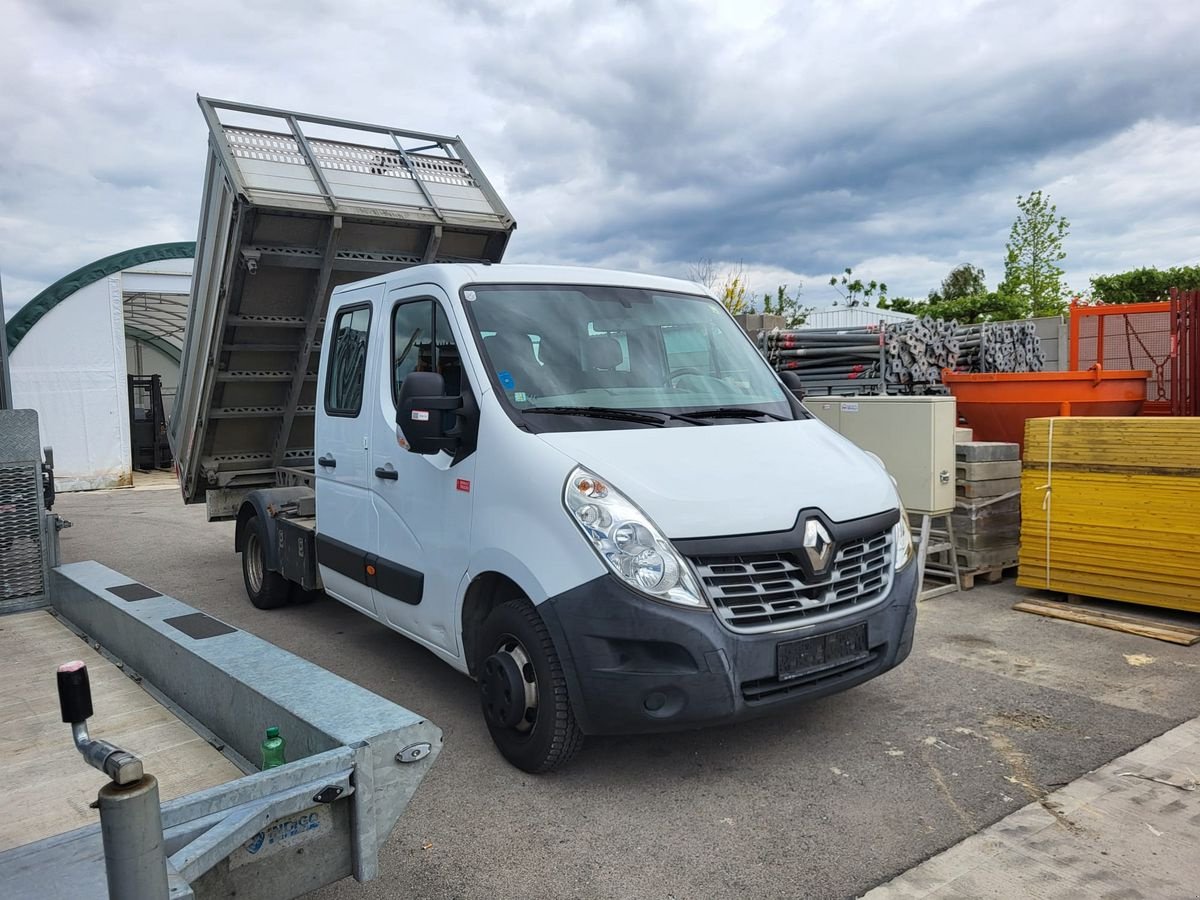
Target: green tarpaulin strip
column 82, row 277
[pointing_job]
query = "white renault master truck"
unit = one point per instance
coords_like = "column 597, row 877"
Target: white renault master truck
column 587, row 490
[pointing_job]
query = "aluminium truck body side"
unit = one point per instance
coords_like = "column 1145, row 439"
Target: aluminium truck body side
column 293, row 206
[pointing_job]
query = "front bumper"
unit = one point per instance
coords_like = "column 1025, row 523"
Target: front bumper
column 635, row 665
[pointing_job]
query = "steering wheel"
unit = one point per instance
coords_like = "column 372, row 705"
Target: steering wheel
column 679, row 373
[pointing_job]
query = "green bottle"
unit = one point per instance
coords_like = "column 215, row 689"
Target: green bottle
column 272, row 749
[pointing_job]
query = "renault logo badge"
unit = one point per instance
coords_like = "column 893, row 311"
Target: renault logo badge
column 818, row 545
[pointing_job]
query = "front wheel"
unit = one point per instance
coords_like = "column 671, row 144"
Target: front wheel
column 266, row 589
column 523, row 690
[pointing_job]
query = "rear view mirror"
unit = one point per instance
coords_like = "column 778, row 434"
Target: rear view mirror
column 793, row 383
column 420, row 413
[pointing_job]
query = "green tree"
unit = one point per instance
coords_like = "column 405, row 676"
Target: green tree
column 964, row 297
column 990, row 306
column 1144, row 285
column 786, row 305
column 733, row 293
column 905, row 305
column 855, row 291
column 986, row 307
column 963, row 281
column 1032, row 275
column 732, row 288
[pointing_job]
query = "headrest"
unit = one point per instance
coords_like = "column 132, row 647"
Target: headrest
column 506, row 349
column 556, row 355
column 603, row 352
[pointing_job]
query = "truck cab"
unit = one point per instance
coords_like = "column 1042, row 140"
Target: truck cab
column 587, row 490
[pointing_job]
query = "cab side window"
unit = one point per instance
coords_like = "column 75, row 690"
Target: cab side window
column 347, row 362
column 423, row 342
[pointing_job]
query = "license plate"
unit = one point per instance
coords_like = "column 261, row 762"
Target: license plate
column 796, row 658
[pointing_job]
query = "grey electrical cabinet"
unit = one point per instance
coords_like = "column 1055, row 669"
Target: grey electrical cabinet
column 914, row 436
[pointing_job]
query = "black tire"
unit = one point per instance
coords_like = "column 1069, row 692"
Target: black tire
column 299, row 596
column 266, row 589
column 547, row 735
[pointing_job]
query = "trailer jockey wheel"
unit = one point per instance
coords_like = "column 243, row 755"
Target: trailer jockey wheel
column 523, row 691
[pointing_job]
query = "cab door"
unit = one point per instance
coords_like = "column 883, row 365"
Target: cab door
column 346, row 527
column 422, row 503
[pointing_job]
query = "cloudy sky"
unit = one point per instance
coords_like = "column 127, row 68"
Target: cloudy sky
column 795, row 137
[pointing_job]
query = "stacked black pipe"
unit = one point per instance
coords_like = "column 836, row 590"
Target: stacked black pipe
column 903, row 355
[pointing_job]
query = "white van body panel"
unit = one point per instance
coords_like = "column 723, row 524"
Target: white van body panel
column 424, row 517
column 344, row 491
column 519, row 512
column 728, row 479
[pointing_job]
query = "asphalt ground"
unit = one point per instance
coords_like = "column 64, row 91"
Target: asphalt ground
column 993, row 709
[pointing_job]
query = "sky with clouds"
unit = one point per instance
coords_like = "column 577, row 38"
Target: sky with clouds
column 795, row 138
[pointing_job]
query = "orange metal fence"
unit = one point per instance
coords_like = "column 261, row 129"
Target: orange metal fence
column 1162, row 337
column 1136, row 336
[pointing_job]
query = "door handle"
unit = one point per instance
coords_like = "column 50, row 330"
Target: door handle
column 387, row 474
column 327, row 462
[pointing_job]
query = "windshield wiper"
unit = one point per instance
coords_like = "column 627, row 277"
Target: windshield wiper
column 729, row 412
column 598, row 412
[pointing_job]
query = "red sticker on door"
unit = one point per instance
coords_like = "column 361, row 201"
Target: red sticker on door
column 463, row 485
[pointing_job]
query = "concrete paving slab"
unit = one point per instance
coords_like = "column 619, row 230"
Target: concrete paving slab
column 1128, row 829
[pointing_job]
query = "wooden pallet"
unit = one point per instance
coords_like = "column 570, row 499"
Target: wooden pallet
column 986, row 574
column 1140, row 622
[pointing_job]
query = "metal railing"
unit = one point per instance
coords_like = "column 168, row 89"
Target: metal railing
column 1128, row 337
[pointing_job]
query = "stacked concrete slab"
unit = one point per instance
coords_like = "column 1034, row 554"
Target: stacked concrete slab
column 987, row 512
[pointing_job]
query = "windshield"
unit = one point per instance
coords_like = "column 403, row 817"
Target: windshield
column 555, row 346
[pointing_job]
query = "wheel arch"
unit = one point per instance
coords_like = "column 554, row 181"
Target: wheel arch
column 263, row 504
column 486, row 591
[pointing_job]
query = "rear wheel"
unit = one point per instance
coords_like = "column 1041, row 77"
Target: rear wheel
column 299, row 596
column 266, row 589
column 523, row 691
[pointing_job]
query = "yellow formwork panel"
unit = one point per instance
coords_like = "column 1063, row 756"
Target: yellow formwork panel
column 1110, row 507
column 1147, row 444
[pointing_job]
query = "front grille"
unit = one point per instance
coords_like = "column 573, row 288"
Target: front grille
column 759, row 592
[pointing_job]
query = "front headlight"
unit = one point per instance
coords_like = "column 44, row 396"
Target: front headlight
column 628, row 542
column 902, row 538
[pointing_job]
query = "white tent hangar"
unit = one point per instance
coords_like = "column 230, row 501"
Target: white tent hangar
column 74, row 344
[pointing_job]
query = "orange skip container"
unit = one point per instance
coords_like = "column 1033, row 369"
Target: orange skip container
column 996, row 404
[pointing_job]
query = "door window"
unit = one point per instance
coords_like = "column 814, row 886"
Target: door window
column 347, row 362
column 423, row 342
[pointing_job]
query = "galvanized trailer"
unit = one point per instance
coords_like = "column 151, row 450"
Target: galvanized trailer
column 293, row 206
column 196, row 695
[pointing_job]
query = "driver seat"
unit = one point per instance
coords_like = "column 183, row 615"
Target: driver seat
column 601, row 356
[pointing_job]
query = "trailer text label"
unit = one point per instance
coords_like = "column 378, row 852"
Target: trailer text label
column 283, row 835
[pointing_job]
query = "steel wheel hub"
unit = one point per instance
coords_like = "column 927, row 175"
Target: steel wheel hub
column 254, row 562
column 509, row 687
